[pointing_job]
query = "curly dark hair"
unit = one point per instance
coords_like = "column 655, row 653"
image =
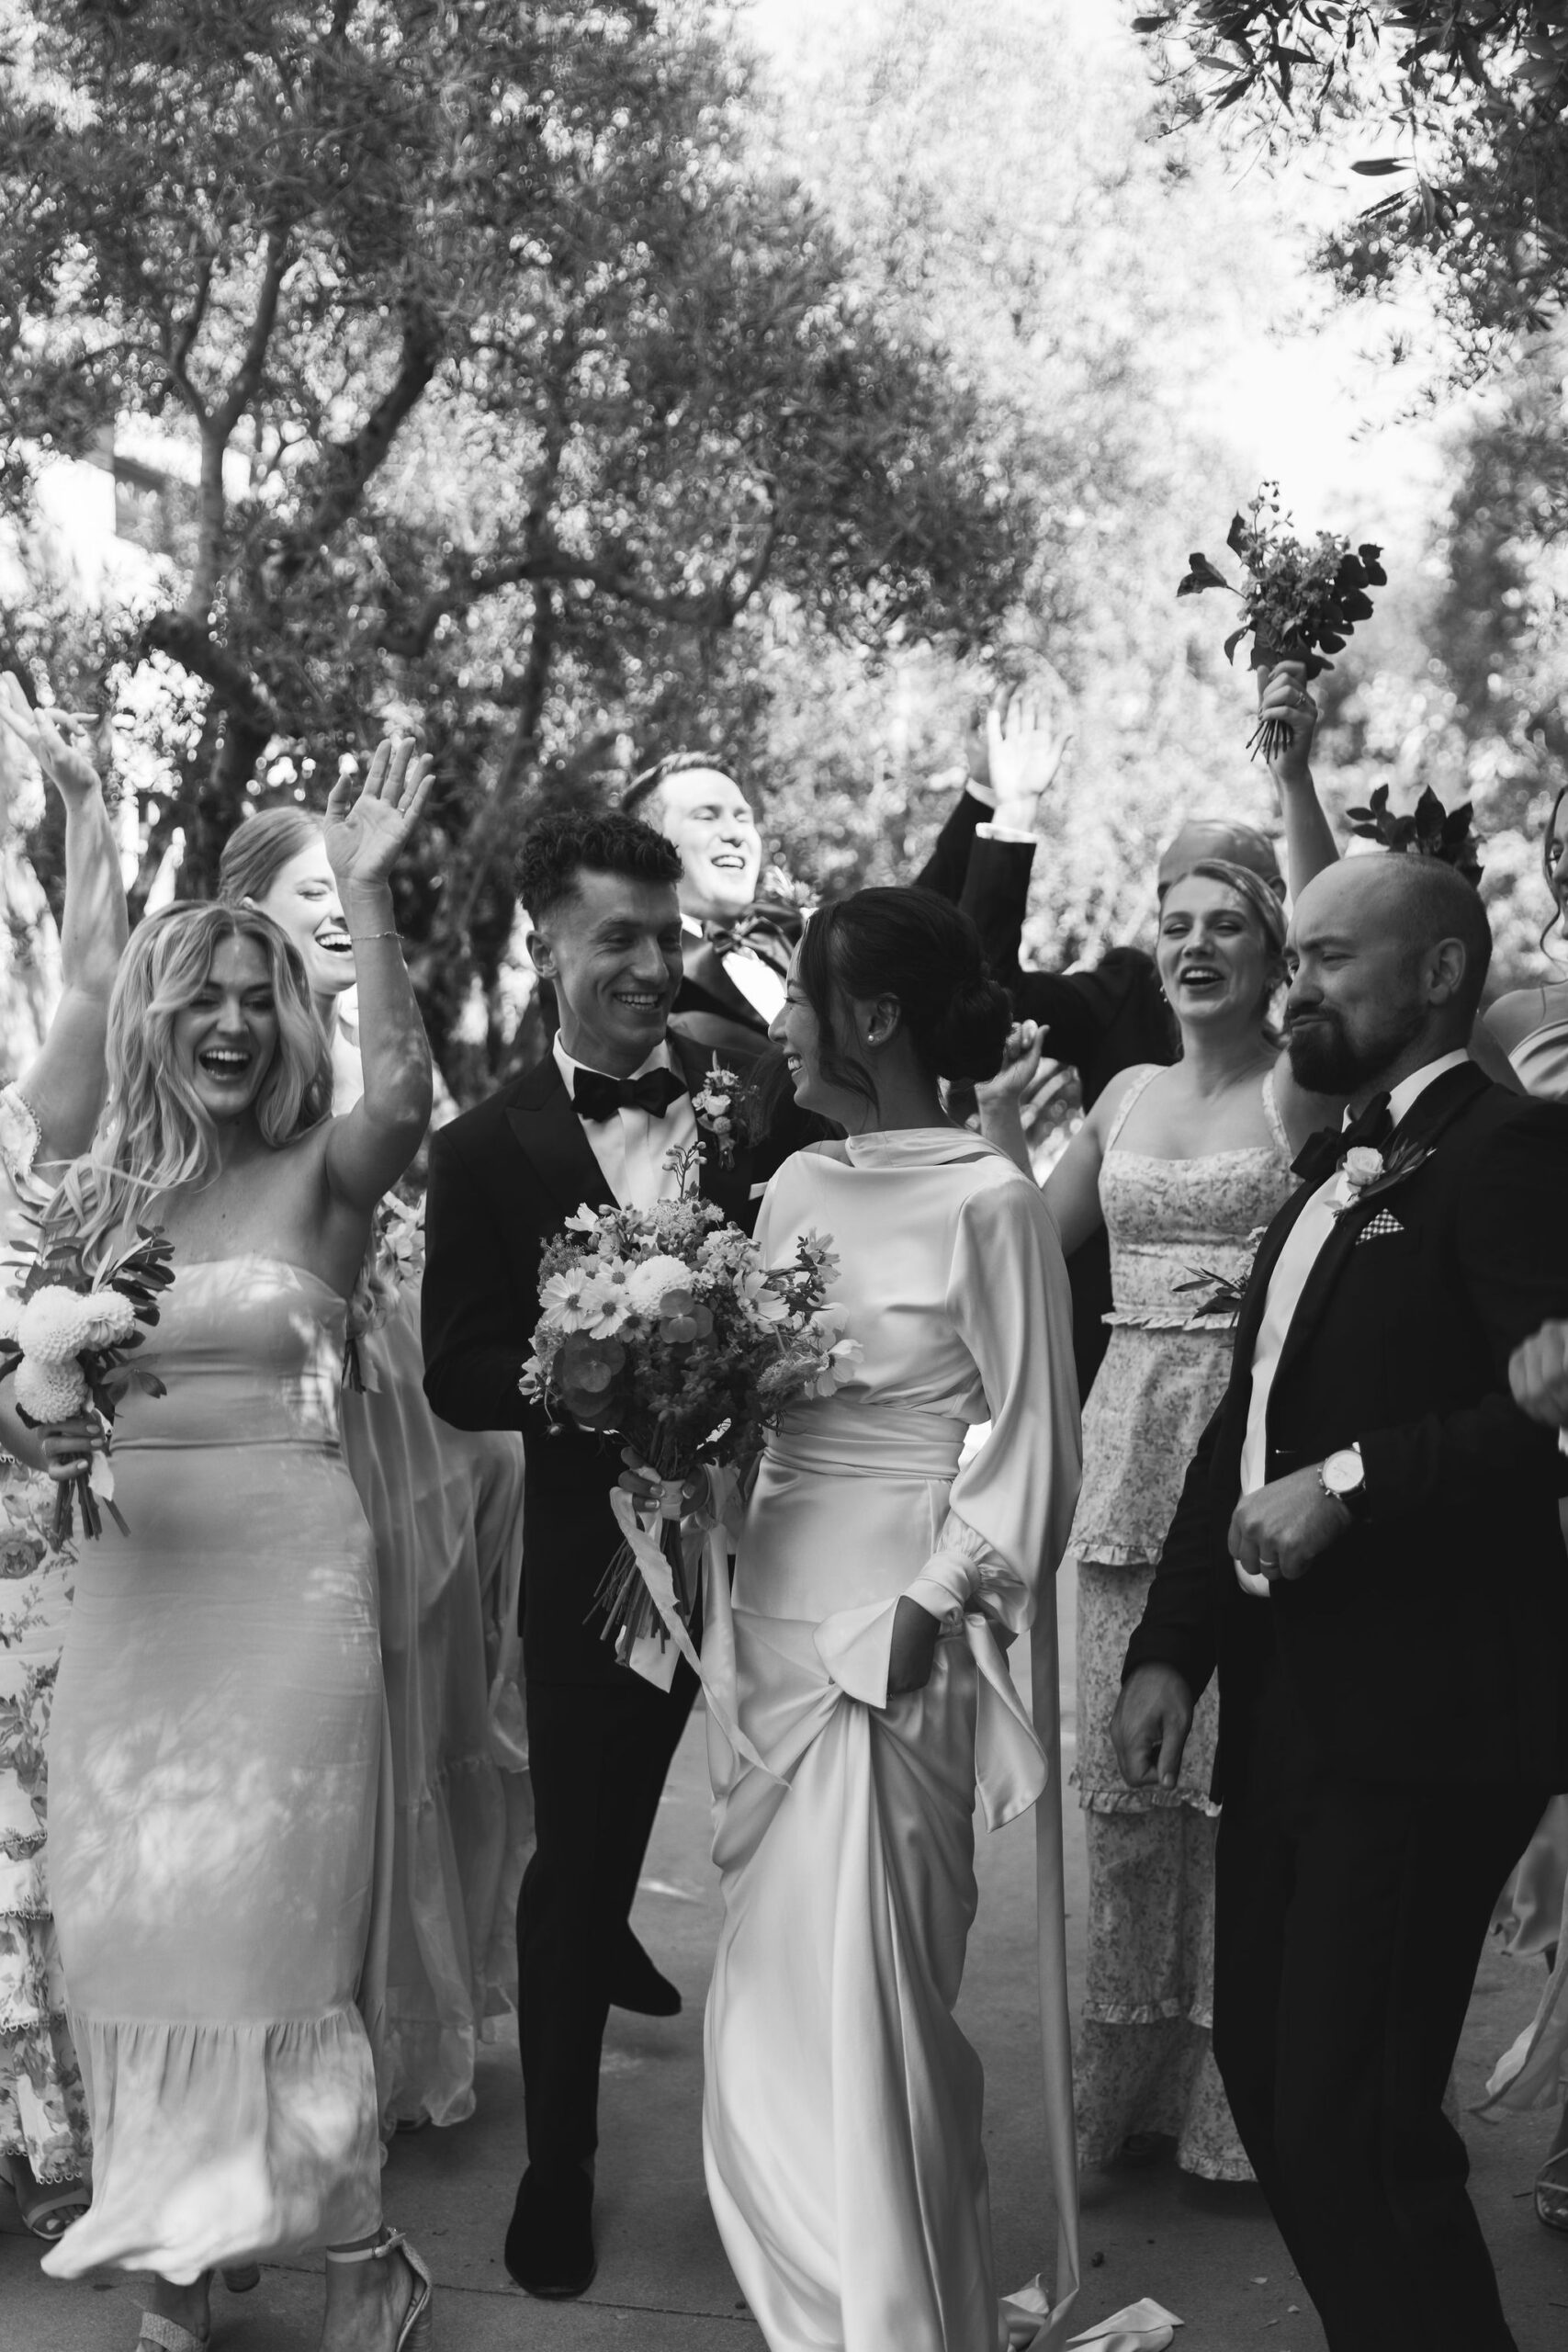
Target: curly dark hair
column 558, row 848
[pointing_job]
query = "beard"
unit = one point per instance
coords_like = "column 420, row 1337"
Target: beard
column 1327, row 1058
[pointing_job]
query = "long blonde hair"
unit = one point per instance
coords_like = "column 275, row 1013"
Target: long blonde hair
column 154, row 1135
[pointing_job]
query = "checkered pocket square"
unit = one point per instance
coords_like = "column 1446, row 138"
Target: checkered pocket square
column 1381, row 1223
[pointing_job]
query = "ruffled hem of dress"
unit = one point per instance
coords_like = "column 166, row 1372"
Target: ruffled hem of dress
column 1147, row 2013
column 1103, row 1798
column 223, row 2143
column 1111, row 1554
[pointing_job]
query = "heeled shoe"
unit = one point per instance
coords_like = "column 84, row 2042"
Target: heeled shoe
column 417, row 2333
column 161, row 2334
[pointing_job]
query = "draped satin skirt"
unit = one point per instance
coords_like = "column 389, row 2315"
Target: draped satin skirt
column 843, row 2106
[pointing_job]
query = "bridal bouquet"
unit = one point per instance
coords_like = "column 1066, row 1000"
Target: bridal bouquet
column 664, row 1326
column 1302, row 600
column 68, row 1338
column 394, row 1257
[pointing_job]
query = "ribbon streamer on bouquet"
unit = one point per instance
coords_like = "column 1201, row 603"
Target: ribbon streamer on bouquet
column 656, row 1574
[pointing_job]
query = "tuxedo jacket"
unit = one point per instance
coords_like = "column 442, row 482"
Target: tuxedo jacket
column 710, row 1009
column 503, row 1179
column 1100, row 1021
column 1429, row 1642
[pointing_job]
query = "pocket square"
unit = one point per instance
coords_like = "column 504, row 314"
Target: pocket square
column 1382, row 1223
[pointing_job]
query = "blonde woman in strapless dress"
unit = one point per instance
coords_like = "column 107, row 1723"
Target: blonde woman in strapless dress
column 445, row 1510
column 1182, row 1166
column 216, row 1741
column 1531, row 1026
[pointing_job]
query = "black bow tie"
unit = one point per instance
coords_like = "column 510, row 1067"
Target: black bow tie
column 595, row 1096
column 1322, row 1153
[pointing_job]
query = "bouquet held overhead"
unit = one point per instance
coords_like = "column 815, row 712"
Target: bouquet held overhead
column 1302, row 600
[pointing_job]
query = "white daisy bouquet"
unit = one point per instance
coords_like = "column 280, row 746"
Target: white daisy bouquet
column 664, row 1326
column 67, row 1339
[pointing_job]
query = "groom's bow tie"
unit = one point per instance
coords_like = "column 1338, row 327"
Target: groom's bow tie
column 1322, row 1153
column 595, row 1096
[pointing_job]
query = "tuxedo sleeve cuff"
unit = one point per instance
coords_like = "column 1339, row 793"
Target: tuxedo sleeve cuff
column 1004, row 833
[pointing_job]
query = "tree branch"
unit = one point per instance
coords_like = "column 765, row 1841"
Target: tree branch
column 348, row 466
column 714, row 608
column 246, row 378
column 186, row 640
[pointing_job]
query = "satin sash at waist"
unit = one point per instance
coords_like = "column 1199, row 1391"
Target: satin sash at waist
column 842, row 1439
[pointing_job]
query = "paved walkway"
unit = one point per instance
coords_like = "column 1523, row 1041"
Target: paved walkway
column 663, row 2284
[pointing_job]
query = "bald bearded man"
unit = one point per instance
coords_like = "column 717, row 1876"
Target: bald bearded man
column 1367, row 1549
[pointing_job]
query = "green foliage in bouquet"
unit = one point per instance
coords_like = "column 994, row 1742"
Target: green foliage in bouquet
column 1428, row 831
column 1302, row 600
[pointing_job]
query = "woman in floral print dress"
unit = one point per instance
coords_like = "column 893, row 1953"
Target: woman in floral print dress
column 1181, row 1166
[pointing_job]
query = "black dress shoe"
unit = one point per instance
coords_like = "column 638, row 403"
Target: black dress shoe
column 636, row 1984
column 549, row 2246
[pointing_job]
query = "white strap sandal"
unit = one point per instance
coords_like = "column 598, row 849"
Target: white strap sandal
column 417, row 2333
column 168, row 2335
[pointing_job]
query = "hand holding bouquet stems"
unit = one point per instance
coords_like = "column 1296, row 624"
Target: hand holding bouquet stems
column 1301, row 603
column 664, row 1326
column 1289, row 714
column 67, row 1337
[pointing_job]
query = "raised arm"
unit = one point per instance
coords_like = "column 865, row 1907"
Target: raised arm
column 64, row 1087
column 1310, row 846
column 369, row 1148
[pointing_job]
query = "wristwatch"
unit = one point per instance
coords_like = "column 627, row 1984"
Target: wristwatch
column 1344, row 1476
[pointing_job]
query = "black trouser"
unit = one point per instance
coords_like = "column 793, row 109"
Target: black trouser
column 598, row 1754
column 1349, row 1919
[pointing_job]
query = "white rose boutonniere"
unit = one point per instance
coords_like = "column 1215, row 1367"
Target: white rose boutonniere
column 1365, row 1173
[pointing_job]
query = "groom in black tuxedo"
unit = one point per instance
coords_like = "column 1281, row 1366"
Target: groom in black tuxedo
column 1368, row 1548
column 594, row 1121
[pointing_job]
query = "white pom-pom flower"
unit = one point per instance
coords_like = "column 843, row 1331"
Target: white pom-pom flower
column 649, row 1285
column 47, row 1392
column 56, row 1324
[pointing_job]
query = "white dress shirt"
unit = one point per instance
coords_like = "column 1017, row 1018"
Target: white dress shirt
column 632, row 1148
column 1286, row 1284
column 752, row 975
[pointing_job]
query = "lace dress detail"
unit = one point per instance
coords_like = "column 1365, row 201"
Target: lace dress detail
column 1144, row 2062
column 44, row 2109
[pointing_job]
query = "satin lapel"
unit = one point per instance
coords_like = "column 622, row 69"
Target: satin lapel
column 1424, row 1123
column 727, row 1188
column 549, row 1134
column 1249, row 1321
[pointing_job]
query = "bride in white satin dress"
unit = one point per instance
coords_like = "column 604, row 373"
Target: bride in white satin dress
column 876, row 1585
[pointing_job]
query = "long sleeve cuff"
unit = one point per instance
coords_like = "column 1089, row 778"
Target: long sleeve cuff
column 1005, row 834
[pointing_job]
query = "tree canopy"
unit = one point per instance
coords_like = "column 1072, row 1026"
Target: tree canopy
column 1458, row 109
column 505, row 380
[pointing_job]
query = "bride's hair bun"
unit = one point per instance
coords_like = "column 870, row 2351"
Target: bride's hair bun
column 918, row 947
column 967, row 1041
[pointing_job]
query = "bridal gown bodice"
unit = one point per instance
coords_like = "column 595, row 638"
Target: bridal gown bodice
column 843, row 2152
column 214, row 1760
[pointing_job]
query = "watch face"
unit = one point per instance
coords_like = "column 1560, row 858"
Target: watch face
column 1343, row 1472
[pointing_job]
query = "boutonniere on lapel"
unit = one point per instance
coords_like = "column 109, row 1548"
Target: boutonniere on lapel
column 714, row 1104
column 1366, row 1172
column 1225, row 1292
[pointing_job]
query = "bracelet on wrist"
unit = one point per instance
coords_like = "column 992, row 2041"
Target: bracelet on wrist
column 360, row 936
